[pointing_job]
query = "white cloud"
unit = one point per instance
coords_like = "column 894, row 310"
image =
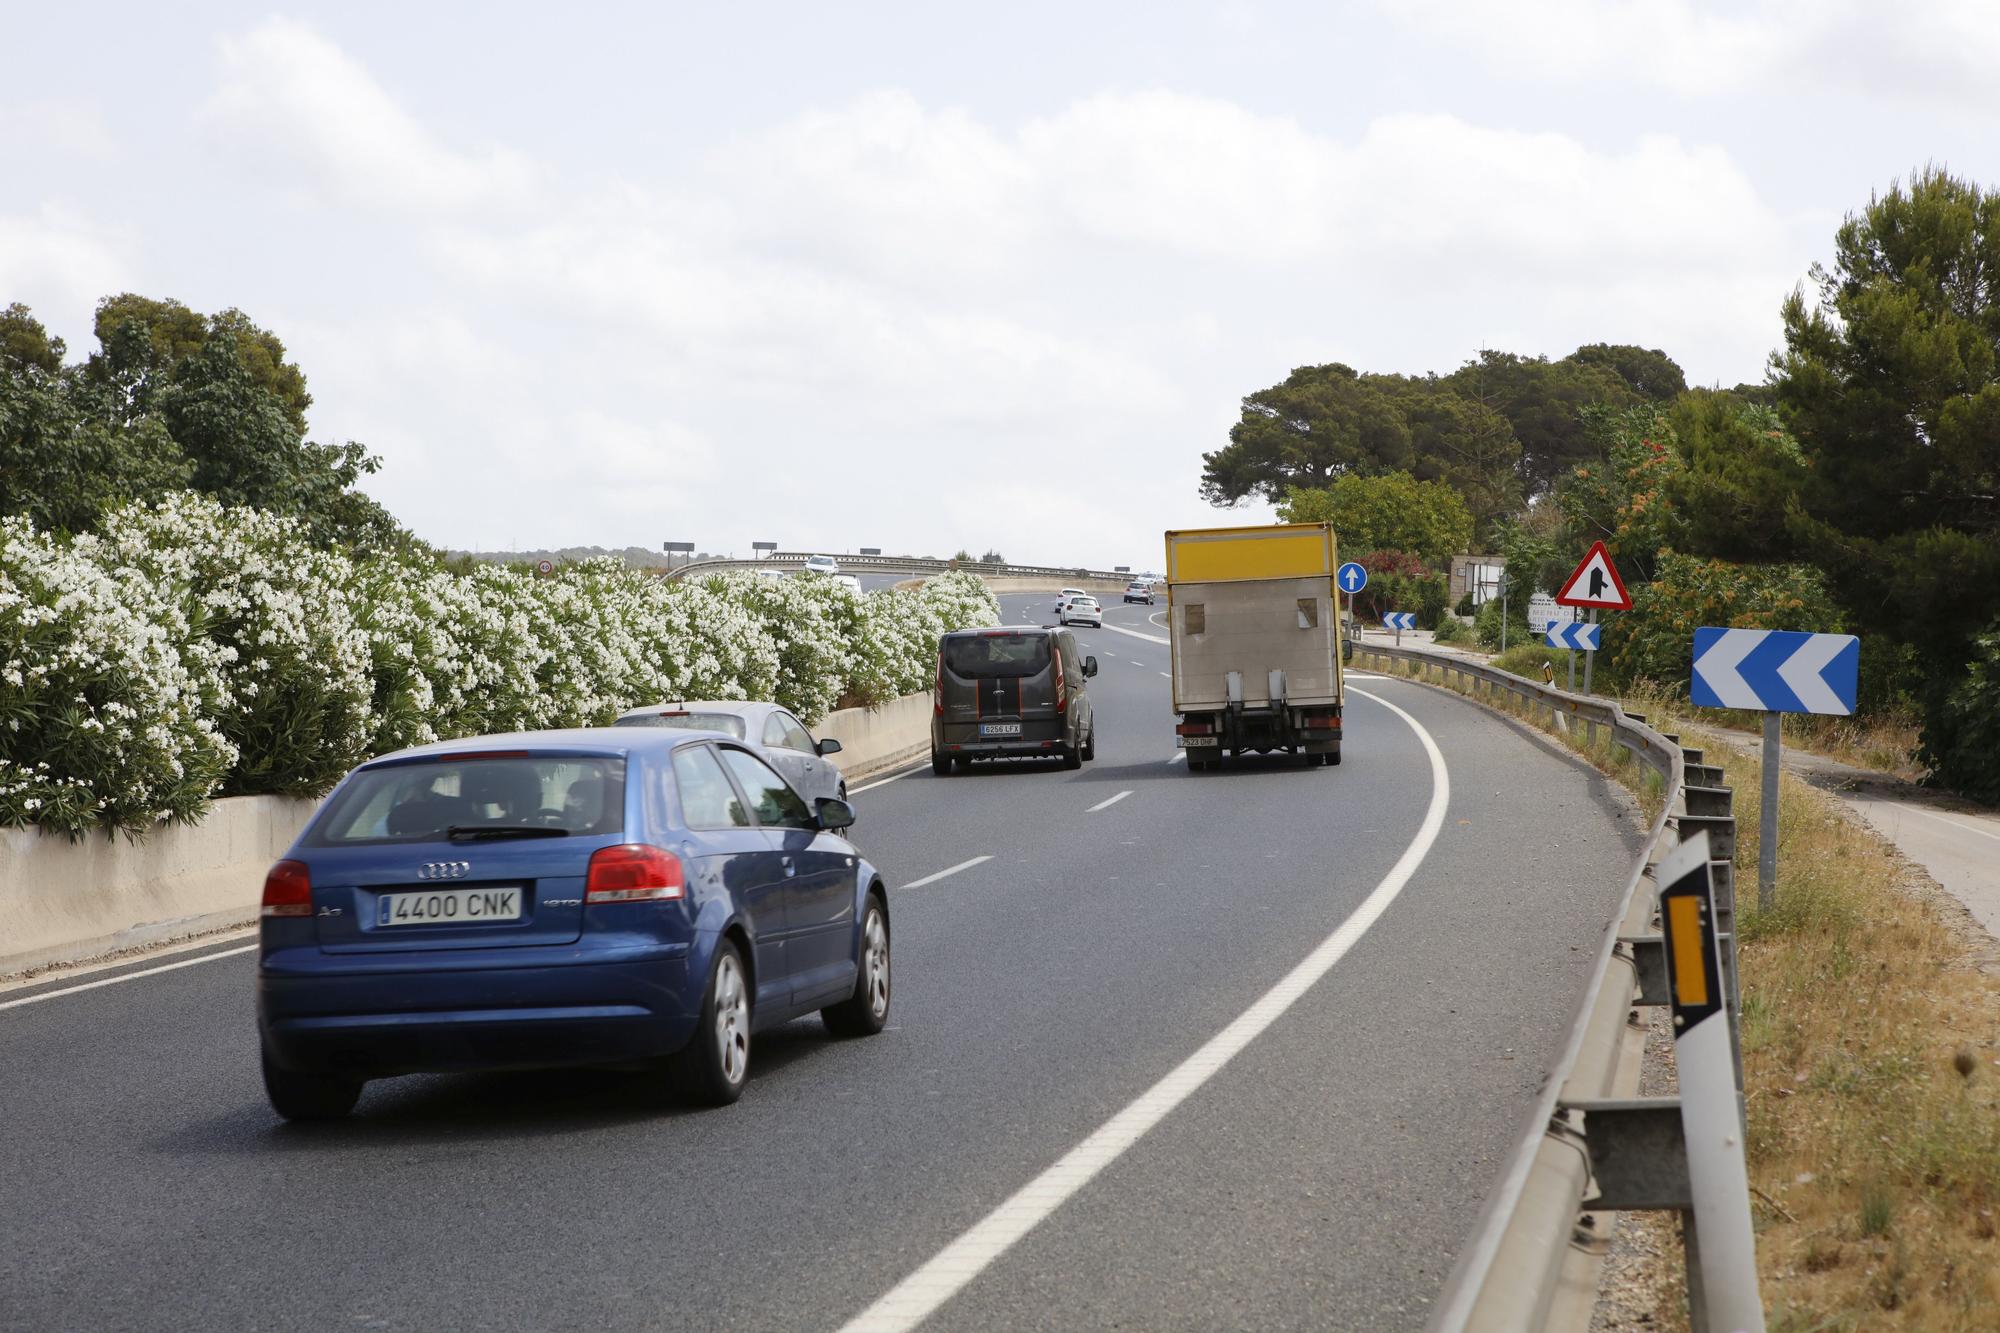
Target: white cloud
column 297, row 102
column 59, row 263
column 1940, row 52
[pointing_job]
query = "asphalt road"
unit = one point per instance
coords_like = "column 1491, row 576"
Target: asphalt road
column 1321, row 1178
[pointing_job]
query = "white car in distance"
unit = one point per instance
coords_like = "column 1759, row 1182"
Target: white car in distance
column 822, row 564
column 1082, row 610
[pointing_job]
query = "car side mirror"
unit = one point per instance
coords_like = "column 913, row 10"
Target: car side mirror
column 1089, row 666
column 835, row 814
column 826, row 747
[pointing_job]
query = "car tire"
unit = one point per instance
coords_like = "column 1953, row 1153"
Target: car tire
column 297, row 1094
column 1333, row 757
column 866, row 1012
column 713, row 1067
column 1072, row 756
column 1090, row 745
column 941, row 764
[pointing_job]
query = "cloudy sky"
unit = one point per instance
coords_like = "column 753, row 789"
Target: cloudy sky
column 926, row 276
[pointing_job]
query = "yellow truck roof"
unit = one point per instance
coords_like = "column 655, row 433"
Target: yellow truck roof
column 1270, row 551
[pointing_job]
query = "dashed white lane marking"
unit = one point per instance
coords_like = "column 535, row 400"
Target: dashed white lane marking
column 1149, row 638
column 1135, row 663
column 948, row 870
column 1168, row 674
column 129, row 976
column 1107, row 802
column 913, row 1299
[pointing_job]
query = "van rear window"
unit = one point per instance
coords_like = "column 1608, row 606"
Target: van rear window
column 987, row 656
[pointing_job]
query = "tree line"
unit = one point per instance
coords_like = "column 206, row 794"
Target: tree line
column 171, row 400
column 1856, row 488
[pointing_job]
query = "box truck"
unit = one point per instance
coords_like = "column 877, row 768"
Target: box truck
column 1254, row 620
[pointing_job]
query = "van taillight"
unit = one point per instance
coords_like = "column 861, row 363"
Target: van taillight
column 633, row 872
column 1062, row 686
column 937, row 698
column 288, row 890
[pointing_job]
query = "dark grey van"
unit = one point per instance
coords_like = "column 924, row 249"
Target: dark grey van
column 1011, row 693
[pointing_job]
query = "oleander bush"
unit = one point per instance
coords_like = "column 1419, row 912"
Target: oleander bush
column 191, row 650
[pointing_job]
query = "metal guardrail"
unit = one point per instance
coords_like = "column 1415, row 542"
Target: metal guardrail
column 898, row 564
column 1508, row 1275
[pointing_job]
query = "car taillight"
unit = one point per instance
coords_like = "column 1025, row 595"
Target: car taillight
column 633, row 872
column 288, row 890
column 937, row 697
column 1062, row 686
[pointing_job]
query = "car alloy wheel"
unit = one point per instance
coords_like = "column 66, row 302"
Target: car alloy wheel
column 865, row 1011
column 732, row 1021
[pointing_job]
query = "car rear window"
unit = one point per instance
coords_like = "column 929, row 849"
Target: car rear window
column 727, row 723
column 987, row 656
column 422, row 802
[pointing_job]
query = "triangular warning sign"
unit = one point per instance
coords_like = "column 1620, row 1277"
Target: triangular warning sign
column 1596, row 583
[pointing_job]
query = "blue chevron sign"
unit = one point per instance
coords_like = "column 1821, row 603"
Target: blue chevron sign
column 1775, row 671
column 1399, row 620
column 1575, row 634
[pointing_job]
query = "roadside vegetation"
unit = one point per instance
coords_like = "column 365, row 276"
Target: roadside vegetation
column 193, row 650
column 1855, row 490
column 1871, row 1040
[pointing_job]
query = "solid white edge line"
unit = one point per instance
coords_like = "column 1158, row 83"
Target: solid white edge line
column 1178, row 756
column 129, row 976
column 1111, row 801
column 883, row 782
column 913, row 1300
column 1943, row 819
column 948, row 870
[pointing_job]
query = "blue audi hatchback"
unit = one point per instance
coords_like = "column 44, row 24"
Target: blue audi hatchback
column 627, row 897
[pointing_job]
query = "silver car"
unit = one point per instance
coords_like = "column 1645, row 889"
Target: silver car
column 780, row 737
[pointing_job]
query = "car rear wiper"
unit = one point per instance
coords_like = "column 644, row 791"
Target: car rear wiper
column 459, row 831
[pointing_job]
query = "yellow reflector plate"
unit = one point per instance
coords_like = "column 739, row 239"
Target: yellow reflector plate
column 1684, row 930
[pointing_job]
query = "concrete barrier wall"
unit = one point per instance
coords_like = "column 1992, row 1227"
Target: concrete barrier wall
column 61, row 901
column 64, row 901
column 874, row 740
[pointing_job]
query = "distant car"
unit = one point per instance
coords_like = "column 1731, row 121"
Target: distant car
column 770, row 573
column 1082, row 611
column 1062, row 598
column 1019, row 692
column 849, row 582
column 786, row 743
column 602, row 896
column 1139, row 591
column 822, row 564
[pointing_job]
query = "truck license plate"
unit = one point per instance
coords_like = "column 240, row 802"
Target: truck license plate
column 1193, row 742
column 999, row 728
column 447, row 905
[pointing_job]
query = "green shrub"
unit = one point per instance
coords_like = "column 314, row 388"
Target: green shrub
column 1452, row 630
column 1526, row 659
column 1962, row 738
column 1655, row 639
column 1487, row 624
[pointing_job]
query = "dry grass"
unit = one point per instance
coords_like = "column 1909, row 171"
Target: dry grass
column 1871, row 1067
column 1886, row 743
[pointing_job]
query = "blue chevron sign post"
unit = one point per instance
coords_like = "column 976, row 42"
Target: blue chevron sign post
column 1399, row 621
column 1774, row 671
